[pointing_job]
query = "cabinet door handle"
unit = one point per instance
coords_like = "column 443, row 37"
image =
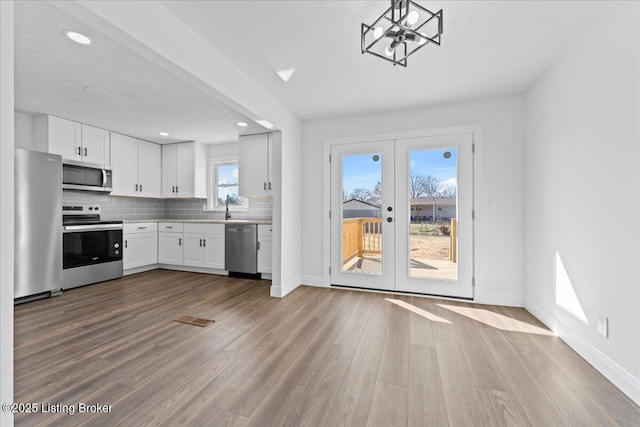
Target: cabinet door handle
column 179, row 242
column 140, row 187
column 125, row 244
column 141, row 228
column 173, row 188
column 79, row 151
column 85, row 152
column 204, row 242
column 265, row 185
column 258, row 245
column 169, row 226
column 200, row 242
column 136, row 187
column 269, row 185
column 176, row 189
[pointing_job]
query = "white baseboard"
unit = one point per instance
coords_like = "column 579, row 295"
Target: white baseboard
column 317, row 281
column 275, row 291
column 619, row 376
column 503, row 299
column 140, row 269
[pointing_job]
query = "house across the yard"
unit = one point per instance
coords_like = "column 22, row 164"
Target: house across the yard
column 430, row 208
column 354, row 208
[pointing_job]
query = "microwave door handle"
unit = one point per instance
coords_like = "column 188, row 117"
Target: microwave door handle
column 104, row 177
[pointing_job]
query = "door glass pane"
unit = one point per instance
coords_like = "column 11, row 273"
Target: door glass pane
column 361, row 201
column 433, row 206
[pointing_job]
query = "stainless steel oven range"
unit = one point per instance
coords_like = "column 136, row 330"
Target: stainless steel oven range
column 92, row 249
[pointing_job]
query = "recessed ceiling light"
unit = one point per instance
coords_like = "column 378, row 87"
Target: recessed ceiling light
column 77, row 37
column 242, row 124
column 286, row 74
column 264, row 123
column 164, row 134
column 95, row 90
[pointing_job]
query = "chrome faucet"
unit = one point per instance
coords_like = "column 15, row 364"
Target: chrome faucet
column 227, row 215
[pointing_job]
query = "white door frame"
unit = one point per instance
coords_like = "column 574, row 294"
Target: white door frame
column 478, row 193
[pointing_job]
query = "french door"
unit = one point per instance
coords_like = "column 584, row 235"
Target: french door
column 401, row 215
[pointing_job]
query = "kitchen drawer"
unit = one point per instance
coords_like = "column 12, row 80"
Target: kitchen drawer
column 204, row 228
column 140, row 227
column 265, row 229
column 176, row 227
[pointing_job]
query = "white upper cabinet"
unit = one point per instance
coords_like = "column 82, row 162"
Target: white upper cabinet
column 184, row 170
column 254, row 157
column 136, row 167
column 149, row 169
column 64, row 137
column 124, row 161
column 72, row 140
column 95, row 145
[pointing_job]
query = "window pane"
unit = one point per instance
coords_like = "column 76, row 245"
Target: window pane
column 232, row 192
column 228, row 173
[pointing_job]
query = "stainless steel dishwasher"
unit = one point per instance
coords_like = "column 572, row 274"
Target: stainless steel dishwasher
column 241, row 248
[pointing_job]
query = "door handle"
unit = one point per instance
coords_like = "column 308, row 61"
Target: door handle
column 176, row 188
column 85, row 152
column 200, row 242
column 140, row 187
column 173, row 188
column 179, row 242
column 258, row 246
column 125, row 244
column 204, row 242
column 269, row 185
column 79, row 151
column 265, row 185
column 136, row 187
column 389, row 219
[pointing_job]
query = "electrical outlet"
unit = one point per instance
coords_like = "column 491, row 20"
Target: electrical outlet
column 603, row 326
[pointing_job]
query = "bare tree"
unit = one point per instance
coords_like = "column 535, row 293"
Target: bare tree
column 423, row 185
column 449, row 190
column 361, row 194
column 416, row 184
column 376, row 195
column 431, row 185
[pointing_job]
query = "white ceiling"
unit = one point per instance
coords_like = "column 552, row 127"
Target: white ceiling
column 488, row 48
column 143, row 99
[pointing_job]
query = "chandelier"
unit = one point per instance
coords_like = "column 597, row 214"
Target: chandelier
column 400, row 31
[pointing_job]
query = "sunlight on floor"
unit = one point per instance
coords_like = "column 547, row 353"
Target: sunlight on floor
column 566, row 297
column 498, row 321
column 417, row 310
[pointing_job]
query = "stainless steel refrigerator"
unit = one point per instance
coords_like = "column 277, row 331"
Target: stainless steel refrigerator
column 38, row 223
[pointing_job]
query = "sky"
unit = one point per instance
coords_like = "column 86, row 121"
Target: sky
column 362, row 171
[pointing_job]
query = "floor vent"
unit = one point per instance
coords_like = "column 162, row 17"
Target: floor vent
column 195, row 321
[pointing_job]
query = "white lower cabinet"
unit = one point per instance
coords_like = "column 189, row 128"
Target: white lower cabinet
column 204, row 245
column 140, row 245
column 265, row 248
column 170, row 243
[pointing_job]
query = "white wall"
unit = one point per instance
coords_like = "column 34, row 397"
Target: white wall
column 25, row 125
column 500, row 261
column 6, row 208
column 582, row 150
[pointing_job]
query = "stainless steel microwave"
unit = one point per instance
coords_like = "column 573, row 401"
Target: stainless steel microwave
column 86, row 176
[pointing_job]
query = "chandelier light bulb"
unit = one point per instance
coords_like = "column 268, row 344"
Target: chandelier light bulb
column 389, row 51
column 412, row 18
column 377, row 32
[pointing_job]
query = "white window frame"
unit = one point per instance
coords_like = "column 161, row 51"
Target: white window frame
column 213, row 185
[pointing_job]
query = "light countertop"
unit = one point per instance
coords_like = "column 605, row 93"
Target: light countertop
column 205, row 221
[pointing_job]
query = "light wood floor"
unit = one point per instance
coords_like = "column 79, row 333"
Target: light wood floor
column 316, row 357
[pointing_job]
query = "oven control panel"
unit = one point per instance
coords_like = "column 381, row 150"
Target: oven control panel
column 81, row 209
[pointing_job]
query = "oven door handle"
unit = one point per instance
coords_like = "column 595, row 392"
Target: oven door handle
column 80, row 228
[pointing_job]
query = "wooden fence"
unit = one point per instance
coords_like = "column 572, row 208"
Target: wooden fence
column 361, row 236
